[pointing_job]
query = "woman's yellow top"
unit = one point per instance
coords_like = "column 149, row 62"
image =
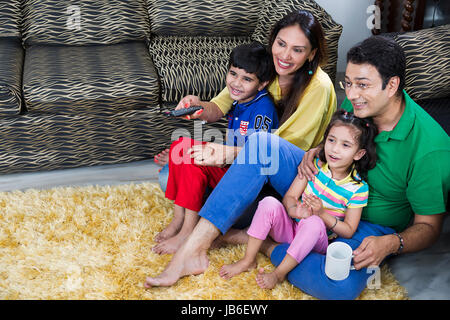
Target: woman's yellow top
column 305, row 128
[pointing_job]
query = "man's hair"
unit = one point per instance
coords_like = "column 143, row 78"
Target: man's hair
column 253, row 58
column 385, row 55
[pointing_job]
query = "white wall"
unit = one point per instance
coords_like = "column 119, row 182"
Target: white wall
column 351, row 14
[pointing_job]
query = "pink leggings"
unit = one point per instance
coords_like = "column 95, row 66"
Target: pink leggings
column 308, row 235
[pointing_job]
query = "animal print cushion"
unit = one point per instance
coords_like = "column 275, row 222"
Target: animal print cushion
column 203, row 17
column 11, row 66
column 274, row 10
column 84, row 21
column 10, row 18
column 192, row 65
column 89, row 79
column 427, row 62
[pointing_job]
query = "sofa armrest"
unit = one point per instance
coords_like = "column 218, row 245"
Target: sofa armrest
column 11, row 67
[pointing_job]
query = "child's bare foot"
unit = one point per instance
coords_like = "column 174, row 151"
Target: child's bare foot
column 162, row 158
column 170, row 231
column 170, row 245
column 228, row 271
column 267, row 280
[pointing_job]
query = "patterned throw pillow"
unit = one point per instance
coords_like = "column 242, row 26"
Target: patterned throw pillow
column 84, row 22
column 192, row 65
column 427, row 62
column 203, row 17
column 274, row 10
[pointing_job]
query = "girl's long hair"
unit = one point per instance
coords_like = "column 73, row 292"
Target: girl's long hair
column 313, row 31
column 367, row 132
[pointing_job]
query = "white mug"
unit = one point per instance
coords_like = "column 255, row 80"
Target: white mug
column 338, row 261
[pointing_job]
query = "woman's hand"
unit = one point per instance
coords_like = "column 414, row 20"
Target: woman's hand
column 187, row 102
column 213, row 154
column 307, row 168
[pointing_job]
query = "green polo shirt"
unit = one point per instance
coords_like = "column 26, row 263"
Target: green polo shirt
column 412, row 175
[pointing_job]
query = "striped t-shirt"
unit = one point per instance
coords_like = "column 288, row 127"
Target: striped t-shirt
column 337, row 195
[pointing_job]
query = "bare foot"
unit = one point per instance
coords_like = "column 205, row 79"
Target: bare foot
column 230, row 270
column 267, row 280
column 233, row 236
column 162, row 158
column 179, row 267
column 170, row 245
column 171, row 230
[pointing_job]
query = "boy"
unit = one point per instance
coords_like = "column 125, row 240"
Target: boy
column 250, row 69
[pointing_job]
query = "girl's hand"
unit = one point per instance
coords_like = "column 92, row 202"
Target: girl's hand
column 314, row 203
column 187, row 102
column 302, row 211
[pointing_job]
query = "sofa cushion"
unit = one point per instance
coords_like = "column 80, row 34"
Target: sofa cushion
column 192, row 65
column 89, row 79
column 274, row 10
column 203, row 17
column 10, row 18
column 11, row 66
column 35, row 142
column 84, row 22
column 427, row 62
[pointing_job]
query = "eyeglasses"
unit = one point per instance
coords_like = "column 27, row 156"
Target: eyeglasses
column 346, row 85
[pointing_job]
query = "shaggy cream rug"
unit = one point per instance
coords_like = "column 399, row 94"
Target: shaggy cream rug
column 95, row 243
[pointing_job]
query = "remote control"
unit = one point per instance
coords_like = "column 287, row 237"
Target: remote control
column 184, row 111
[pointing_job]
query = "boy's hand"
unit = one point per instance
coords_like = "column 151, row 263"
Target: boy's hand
column 314, row 203
column 187, row 102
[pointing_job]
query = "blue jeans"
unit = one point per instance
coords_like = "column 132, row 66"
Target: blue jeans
column 309, row 276
column 265, row 158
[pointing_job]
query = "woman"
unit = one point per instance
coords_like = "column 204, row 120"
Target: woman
column 306, row 101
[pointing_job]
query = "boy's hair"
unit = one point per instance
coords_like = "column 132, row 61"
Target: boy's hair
column 385, row 55
column 253, row 58
column 367, row 132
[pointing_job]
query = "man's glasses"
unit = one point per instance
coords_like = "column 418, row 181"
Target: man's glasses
column 346, row 85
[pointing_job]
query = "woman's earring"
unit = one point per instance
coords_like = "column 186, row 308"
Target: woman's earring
column 310, row 71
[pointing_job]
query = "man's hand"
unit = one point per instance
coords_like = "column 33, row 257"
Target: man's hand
column 373, row 250
column 307, row 168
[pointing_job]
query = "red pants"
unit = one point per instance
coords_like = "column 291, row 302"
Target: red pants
column 187, row 181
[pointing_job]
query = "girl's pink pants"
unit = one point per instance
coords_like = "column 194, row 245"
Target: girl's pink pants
column 271, row 218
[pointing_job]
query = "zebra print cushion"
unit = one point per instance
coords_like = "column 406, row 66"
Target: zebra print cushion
column 89, row 79
column 274, row 10
column 427, row 62
column 46, row 141
column 203, row 17
column 10, row 18
column 11, row 66
column 84, row 22
column 192, row 65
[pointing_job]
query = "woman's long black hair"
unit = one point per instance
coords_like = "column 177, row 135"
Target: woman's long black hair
column 313, row 31
column 367, row 132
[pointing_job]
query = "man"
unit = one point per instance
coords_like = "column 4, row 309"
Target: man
column 408, row 188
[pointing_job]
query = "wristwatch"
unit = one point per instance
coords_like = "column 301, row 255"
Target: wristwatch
column 400, row 248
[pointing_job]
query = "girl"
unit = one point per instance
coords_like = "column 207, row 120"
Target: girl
column 333, row 201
